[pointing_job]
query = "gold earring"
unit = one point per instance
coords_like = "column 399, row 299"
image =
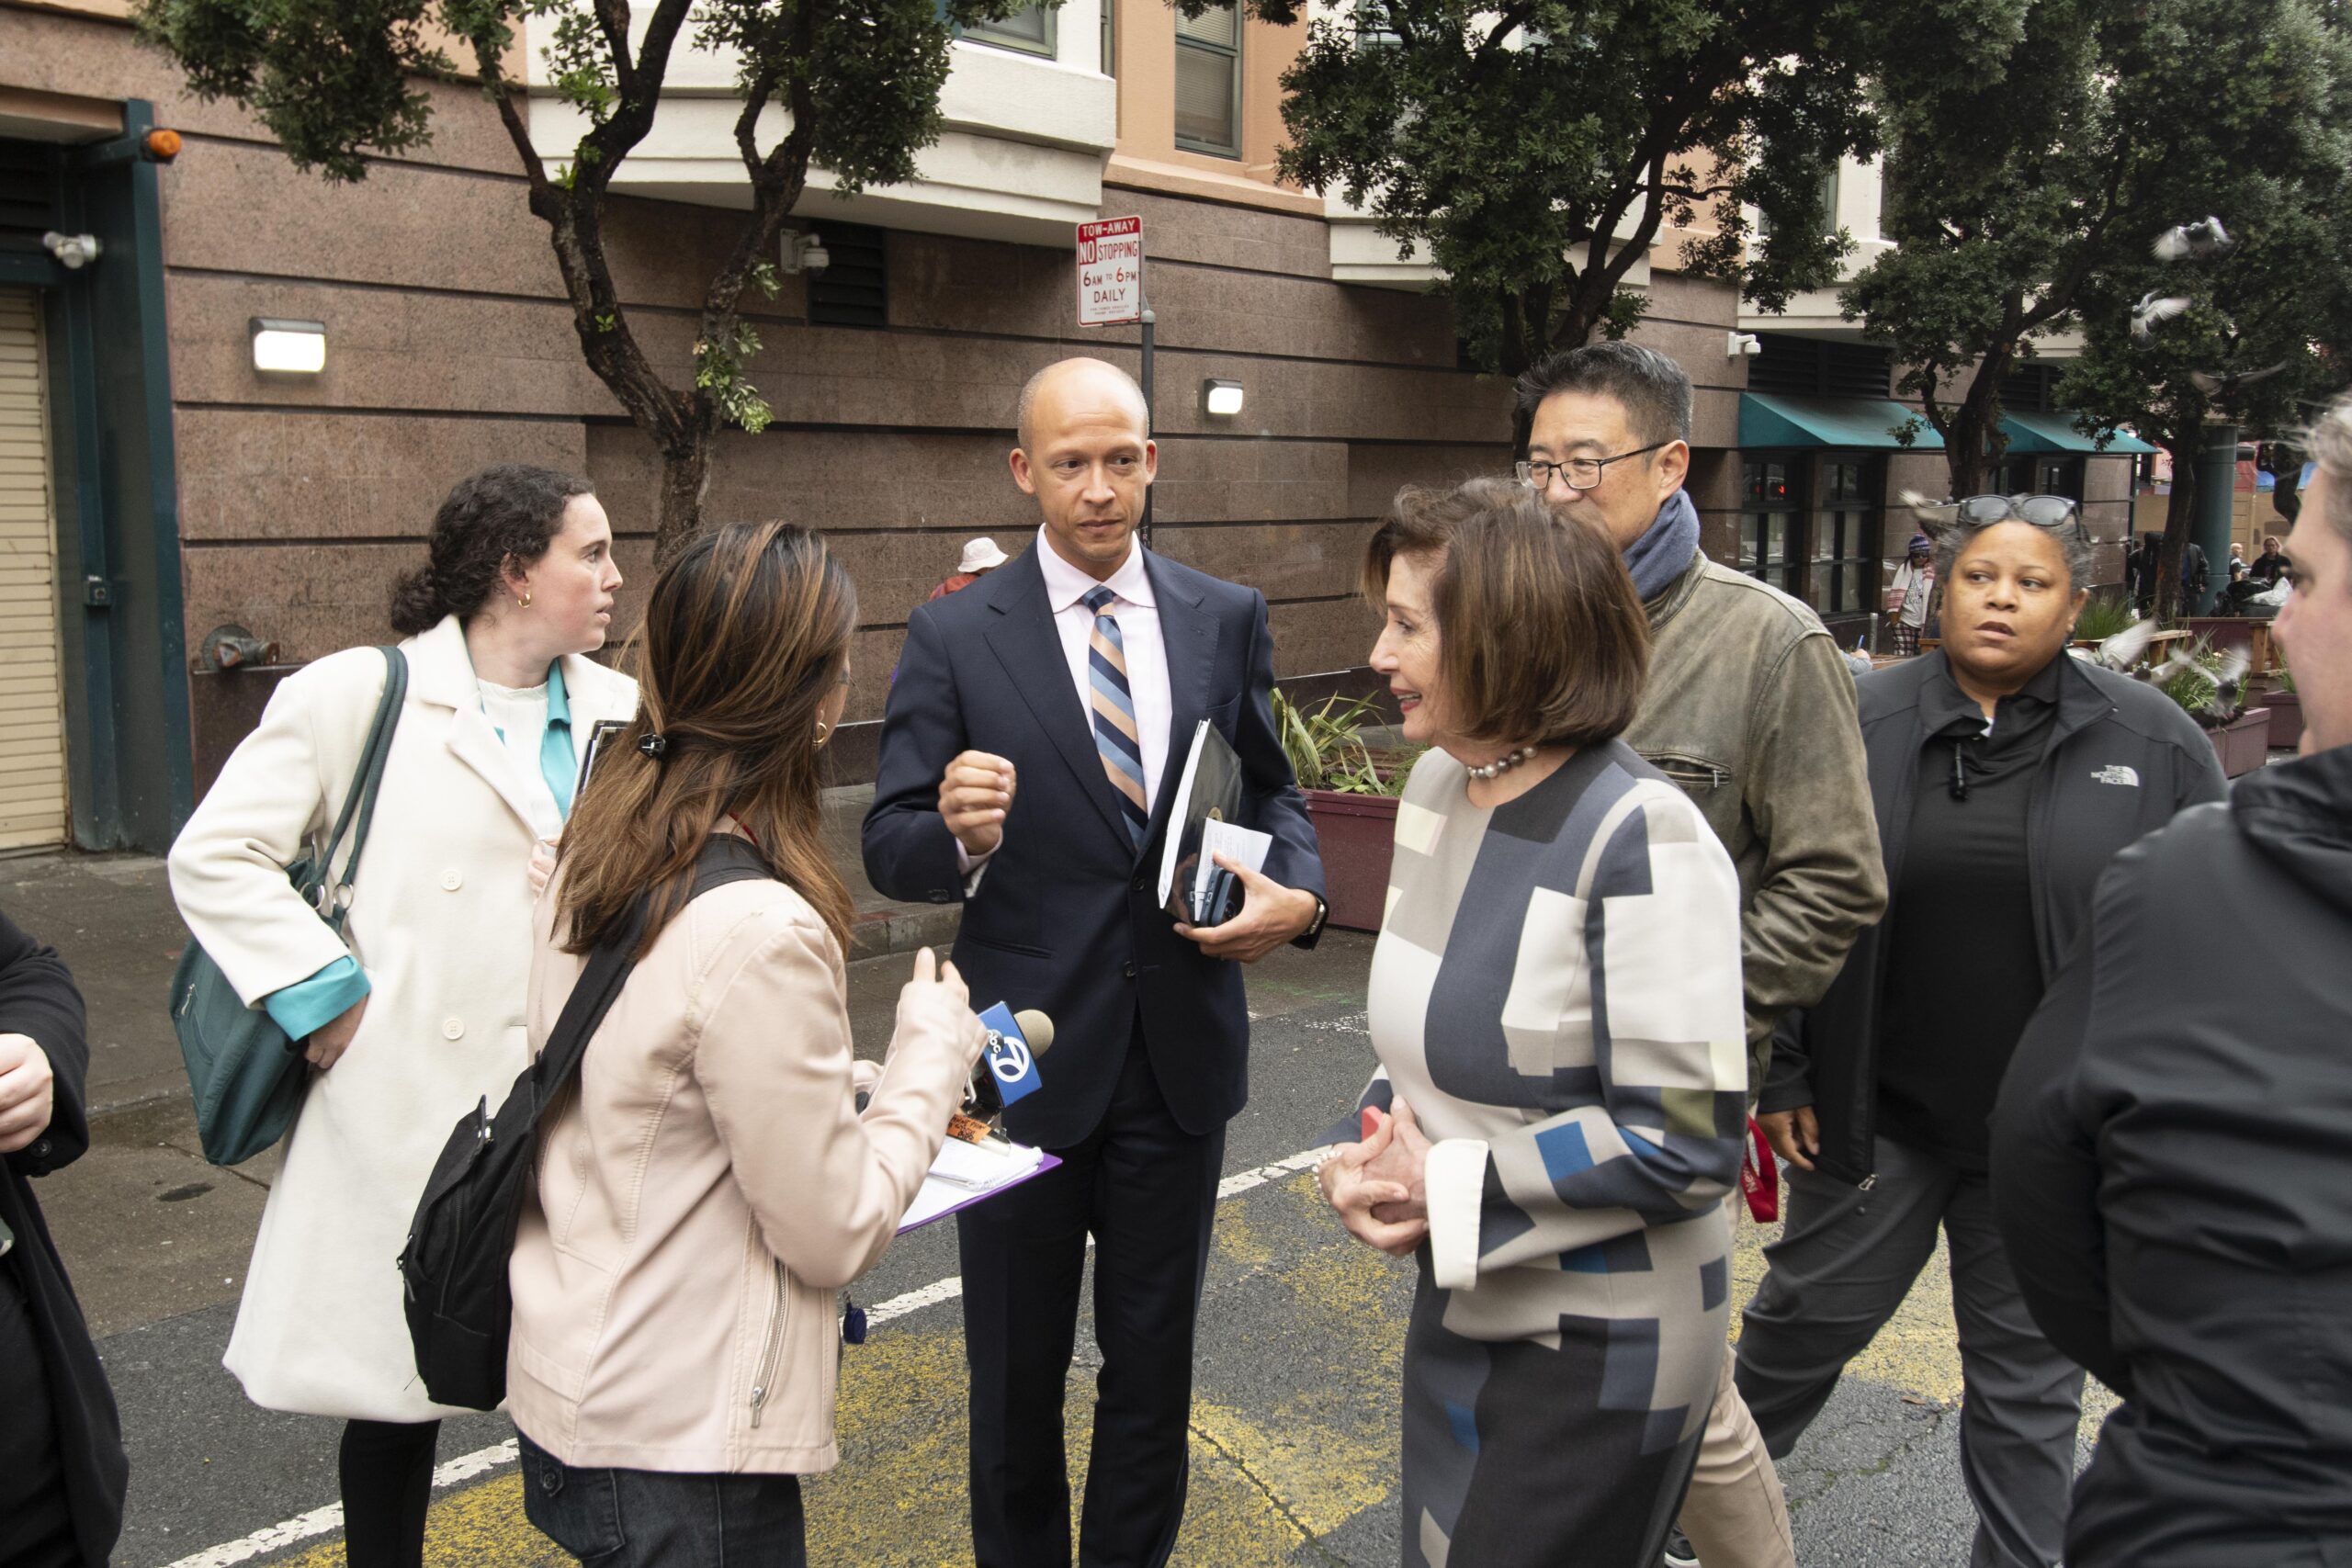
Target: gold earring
column 523, row 601
column 824, row 733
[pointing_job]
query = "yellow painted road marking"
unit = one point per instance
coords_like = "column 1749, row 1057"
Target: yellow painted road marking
column 1275, row 1463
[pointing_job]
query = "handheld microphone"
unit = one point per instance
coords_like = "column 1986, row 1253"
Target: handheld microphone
column 1007, row 1068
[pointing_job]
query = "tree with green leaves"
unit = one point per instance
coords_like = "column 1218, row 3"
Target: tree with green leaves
column 1540, row 148
column 2037, row 147
column 336, row 82
column 2262, row 336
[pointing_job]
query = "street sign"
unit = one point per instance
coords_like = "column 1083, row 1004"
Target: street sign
column 1110, row 272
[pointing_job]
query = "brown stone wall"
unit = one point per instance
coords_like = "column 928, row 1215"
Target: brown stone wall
column 450, row 346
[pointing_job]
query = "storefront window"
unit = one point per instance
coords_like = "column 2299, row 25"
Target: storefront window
column 1770, row 518
column 2042, row 475
column 1844, row 580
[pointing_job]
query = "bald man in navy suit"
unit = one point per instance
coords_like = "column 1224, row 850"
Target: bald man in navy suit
column 1033, row 743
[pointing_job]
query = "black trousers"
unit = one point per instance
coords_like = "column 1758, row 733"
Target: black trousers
column 387, row 1473
column 1146, row 1189
column 36, row 1526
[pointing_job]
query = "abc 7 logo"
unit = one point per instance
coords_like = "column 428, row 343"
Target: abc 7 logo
column 1008, row 1056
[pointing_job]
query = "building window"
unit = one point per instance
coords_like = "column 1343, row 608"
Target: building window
column 1030, row 30
column 854, row 289
column 1828, row 198
column 1844, row 580
column 2042, row 475
column 1817, row 368
column 1208, row 81
column 1771, row 525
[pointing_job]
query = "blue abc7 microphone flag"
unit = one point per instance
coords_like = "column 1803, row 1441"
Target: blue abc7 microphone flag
column 1011, row 1062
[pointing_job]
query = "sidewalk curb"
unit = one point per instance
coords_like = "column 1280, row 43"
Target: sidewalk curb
column 902, row 927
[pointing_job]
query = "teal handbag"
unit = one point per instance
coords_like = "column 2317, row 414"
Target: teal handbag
column 247, row 1077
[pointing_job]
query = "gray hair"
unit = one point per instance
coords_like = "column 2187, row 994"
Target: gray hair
column 2329, row 442
column 2074, row 544
column 1654, row 389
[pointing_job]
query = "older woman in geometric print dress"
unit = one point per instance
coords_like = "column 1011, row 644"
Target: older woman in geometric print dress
column 1555, row 1002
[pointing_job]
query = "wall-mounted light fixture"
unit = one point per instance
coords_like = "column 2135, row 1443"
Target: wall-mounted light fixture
column 74, row 252
column 288, row 348
column 805, row 253
column 1220, row 398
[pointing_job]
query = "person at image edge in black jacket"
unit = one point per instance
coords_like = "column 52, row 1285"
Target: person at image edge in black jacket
column 2172, row 1150
column 62, row 1465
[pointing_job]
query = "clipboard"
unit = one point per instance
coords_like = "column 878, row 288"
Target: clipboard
column 1209, row 789
column 958, row 1180
column 603, row 730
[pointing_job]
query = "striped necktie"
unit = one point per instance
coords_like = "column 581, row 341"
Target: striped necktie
column 1113, row 705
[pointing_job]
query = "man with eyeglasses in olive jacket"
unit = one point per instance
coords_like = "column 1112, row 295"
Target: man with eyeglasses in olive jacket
column 1750, row 708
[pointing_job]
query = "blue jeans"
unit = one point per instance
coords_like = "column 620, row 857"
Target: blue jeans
column 648, row 1518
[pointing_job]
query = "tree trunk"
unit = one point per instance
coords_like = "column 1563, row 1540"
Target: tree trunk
column 1974, row 445
column 2181, row 523
column 685, row 479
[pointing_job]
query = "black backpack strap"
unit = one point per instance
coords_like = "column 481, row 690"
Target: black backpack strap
column 724, row 859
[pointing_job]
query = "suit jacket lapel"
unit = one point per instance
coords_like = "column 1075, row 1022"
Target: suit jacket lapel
column 1187, row 632
column 1026, row 642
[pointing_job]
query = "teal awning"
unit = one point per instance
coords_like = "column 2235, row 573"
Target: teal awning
column 2034, row 433
column 1768, row 419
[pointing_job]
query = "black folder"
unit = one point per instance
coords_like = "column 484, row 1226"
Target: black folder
column 1209, row 788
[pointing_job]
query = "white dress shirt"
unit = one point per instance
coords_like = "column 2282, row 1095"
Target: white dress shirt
column 1137, row 611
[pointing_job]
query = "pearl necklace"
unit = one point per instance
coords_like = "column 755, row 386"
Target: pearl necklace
column 1504, row 763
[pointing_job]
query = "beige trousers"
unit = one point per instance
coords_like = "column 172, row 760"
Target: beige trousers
column 1734, row 1513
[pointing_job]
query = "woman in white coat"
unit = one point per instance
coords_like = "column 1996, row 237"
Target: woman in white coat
column 422, row 1015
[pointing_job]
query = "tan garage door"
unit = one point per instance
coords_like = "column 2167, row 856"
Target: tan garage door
column 32, row 718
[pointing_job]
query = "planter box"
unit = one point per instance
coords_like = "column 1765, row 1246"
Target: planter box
column 2248, row 631
column 2286, row 719
column 1357, row 834
column 2244, row 743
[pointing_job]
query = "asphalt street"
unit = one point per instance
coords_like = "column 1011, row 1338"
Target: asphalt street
column 1295, row 1420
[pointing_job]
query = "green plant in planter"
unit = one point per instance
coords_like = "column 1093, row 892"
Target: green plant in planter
column 2103, row 617
column 1328, row 750
column 2207, row 681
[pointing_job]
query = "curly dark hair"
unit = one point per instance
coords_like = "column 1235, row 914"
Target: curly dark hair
column 512, row 509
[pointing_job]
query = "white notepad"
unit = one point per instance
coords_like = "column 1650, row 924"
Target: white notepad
column 965, row 1173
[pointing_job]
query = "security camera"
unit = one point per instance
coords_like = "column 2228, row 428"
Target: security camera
column 1743, row 345
column 805, row 253
column 73, row 252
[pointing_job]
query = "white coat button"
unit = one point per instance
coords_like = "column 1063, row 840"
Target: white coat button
column 452, row 879
column 453, row 1028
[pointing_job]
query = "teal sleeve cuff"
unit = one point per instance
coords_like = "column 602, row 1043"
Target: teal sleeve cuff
column 307, row 1005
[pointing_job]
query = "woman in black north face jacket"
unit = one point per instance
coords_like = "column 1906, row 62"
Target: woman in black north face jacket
column 2004, row 775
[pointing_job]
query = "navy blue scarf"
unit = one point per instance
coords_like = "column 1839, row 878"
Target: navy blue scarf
column 1666, row 547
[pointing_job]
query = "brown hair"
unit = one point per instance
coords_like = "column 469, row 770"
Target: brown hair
column 1542, row 637
column 509, row 512
column 746, row 635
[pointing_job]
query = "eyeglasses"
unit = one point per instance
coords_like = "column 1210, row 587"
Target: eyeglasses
column 2051, row 511
column 1581, row 473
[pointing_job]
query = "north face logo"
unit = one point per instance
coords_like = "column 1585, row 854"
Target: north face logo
column 2117, row 774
